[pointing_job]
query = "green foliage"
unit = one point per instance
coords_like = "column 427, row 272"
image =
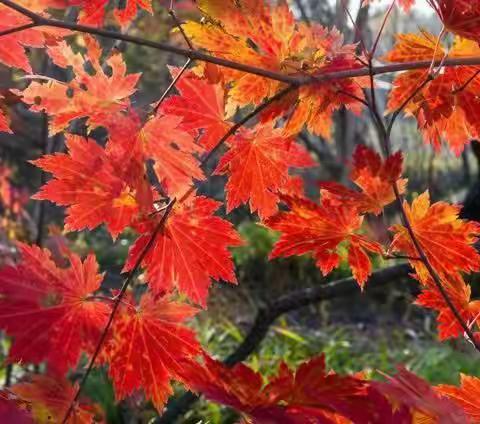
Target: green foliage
column 259, row 241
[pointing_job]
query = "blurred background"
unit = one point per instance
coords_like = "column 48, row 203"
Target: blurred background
column 371, row 331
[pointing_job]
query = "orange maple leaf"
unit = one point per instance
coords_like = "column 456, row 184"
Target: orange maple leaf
column 447, row 107
column 257, row 165
column 375, row 179
column 165, row 140
column 268, row 37
column 49, row 398
column 146, row 347
column 46, row 310
column 12, row 47
column 319, row 229
column 191, row 250
column 96, row 185
column 202, row 105
column 95, row 97
column 447, row 241
column 466, row 396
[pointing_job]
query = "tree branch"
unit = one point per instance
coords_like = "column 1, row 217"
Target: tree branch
column 39, row 20
column 268, row 314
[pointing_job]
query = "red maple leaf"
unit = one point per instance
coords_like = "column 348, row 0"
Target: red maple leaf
column 309, row 394
column 93, row 11
column 97, row 185
column 459, row 16
column 257, row 165
column 319, row 229
column 191, row 250
column 202, row 105
column 147, row 345
column 48, row 399
column 12, row 47
column 375, row 179
column 311, row 386
column 46, row 309
column 95, row 96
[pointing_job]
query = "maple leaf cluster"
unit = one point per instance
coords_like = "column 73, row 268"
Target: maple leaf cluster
column 268, row 37
column 143, row 178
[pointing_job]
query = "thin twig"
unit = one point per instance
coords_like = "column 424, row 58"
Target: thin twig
column 354, row 97
column 437, row 45
column 172, row 85
column 151, row 242
column 47, row 149
column 178, row 24
column 380, row 31
column 116, row 305
column 358, row 33
column 438, row 283
column 39, row 20
column 399, row 110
